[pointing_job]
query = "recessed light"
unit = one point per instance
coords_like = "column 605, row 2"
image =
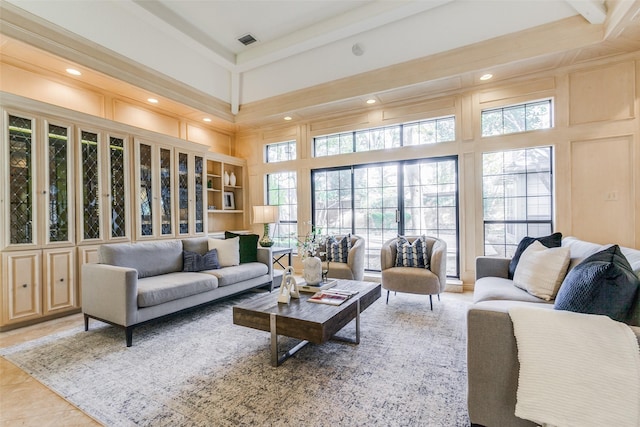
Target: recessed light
column 287, row 118
column 486, row 76
column 74, row 72
column 206, row 119
column 371, row 101
column 152, row 100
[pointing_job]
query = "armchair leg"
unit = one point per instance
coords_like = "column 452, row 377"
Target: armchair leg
column 388, row 297
column 431, row 301
column 438, row 297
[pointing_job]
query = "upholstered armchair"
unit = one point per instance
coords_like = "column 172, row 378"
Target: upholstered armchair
column 353, row 269
column 415, row 280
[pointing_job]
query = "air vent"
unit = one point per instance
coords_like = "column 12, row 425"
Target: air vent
column 247, row 39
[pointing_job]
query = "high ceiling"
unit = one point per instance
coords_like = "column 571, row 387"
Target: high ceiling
column 300, row 43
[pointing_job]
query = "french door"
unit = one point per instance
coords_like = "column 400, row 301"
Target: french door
column 380, row 201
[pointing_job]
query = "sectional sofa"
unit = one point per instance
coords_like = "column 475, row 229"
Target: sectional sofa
column 134, row 283
column 492, row 354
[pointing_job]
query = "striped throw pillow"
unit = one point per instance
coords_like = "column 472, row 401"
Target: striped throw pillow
column 412, row 254
column 338, row 249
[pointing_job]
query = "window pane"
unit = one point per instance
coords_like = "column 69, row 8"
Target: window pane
column 282, row 192
column 517, row 118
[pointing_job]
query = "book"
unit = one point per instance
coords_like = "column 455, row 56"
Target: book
column 316, row 288
column 332, row 296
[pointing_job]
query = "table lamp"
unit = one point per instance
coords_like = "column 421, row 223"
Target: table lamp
column 265, row 215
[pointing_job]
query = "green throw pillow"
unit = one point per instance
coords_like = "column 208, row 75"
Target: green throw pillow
column 248, row 246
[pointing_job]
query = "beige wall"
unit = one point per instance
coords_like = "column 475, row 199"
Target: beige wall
column 595, row 137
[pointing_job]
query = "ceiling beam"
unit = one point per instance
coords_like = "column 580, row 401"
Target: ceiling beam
column 593, row 11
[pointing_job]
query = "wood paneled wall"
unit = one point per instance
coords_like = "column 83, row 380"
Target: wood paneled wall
column 596, row 140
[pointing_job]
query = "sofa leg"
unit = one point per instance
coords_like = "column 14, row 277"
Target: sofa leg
column 86, row 322
column 388, row 297
column 431, row 301
column 128, row 331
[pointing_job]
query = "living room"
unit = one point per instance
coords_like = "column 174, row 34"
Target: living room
column 591, row 85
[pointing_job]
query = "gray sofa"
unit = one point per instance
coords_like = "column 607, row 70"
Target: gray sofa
column 492, row 356
column 134, row 283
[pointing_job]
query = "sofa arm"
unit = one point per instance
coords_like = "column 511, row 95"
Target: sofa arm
column 265, row 257
column 487, row 266
column 110, row 293
column 493, row 368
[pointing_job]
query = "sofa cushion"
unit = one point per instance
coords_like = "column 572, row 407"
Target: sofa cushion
column 193, row 261
column 338, row 248
column 603, row 283
column 228, row 251
column 552, row 241
column 148, row 258
column 541, row 270
column 168, row 287
column 199, row 245
column 248, row 246
column 498, row 288
column 412, row 254
column 230, row 275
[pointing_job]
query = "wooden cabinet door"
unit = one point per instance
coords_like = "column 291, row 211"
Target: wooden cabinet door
column 22, row 291
column 59, row 290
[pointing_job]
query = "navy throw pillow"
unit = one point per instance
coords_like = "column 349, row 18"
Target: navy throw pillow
column 552, row 241
column 193, row 261
column 412, row 254
column 603, row 283
column 338, row 248
column 248, row 246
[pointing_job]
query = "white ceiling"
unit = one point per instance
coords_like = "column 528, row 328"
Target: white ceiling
column 301, row 43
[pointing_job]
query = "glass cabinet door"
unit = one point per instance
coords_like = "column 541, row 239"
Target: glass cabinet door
column 165, row 192
column 117, row 188
column 58, row 184
column 90, row 185
column 146, row 191
column 199, row 196
column 21, row 181
column 183, row 193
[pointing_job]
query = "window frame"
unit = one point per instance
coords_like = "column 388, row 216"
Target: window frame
column 527, row 104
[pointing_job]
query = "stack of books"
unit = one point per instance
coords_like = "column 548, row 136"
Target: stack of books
column 316, row 288
column 332, row 296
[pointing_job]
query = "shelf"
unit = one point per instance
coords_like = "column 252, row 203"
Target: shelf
column 214, row 190
column 230, row 211
column 213, row 175
column 237, row 187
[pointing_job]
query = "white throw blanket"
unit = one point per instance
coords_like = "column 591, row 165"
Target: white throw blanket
column 576, row 369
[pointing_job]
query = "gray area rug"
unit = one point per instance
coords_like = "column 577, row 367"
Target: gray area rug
column 198, row 369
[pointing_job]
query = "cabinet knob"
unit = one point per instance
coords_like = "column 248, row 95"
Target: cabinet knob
column 62, row 279
column 24, row 286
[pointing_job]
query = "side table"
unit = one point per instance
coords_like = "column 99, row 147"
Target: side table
column 277, row 256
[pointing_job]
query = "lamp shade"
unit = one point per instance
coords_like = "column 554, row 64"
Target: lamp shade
column 265, row 214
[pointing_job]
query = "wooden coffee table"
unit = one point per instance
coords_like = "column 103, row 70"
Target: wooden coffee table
column 306, row 321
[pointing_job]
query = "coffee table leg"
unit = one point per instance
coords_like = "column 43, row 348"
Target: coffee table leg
column 276, row 359
column 351, row 340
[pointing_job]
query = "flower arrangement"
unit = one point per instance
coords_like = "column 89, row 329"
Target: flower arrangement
column 309, row 244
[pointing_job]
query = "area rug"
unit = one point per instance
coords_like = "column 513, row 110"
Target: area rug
column 199, row 369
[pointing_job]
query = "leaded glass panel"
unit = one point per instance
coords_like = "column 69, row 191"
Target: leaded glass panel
column 90, row 185
column 58, row 140
column 183, row 193
column 146, row 195
column 117, row 187
column 199, row 180
column 20, row 180
column 165, row 190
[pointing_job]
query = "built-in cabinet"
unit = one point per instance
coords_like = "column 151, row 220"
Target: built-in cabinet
column 38, row 259
column 74, row 186
column 225, row 194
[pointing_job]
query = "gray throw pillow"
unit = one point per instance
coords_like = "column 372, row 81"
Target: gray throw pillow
column 193, row 261
column 603, row 283
column 552, row 241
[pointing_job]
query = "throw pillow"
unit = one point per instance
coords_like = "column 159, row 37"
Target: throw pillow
column 193, row 261
column 412, row 254
column 248, row 246
column 228, row 251
column 338, row 248
column 552, row 241
column 541, row 270
column 603, row 283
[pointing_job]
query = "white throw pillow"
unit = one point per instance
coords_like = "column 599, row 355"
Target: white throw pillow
column 541, row 270
column 228, row 251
